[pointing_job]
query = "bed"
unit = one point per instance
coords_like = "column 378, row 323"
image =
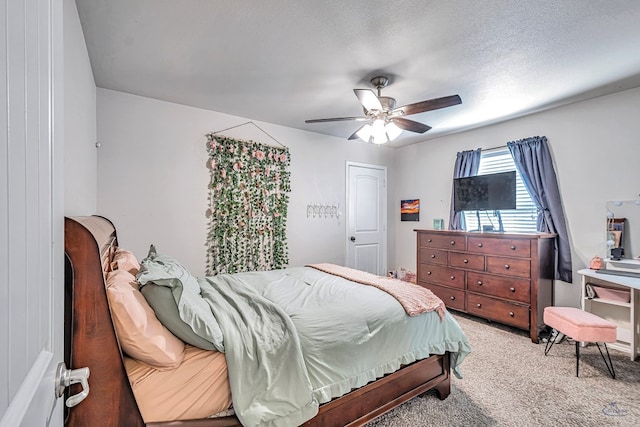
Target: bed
column 91, row 340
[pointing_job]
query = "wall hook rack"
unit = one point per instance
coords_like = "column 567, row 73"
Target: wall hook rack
column 317, row 210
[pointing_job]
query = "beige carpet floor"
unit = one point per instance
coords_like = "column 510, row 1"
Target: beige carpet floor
column 509, row 382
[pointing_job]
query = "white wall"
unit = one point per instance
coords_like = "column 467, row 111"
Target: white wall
column 80, row 134
column 152, row 178
column 595, row 147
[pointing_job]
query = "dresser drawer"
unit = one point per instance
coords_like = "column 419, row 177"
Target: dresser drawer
column 452, row 298
column 441, row 275
column 502, row 287
column 498, row 310
column 493, row 246
column 433, row 256
column 515, row 267
column 466, row 260
column 442, row 241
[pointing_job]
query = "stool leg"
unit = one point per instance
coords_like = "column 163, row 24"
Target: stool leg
column 550, row 341
column 577, row 358
column 610, row 363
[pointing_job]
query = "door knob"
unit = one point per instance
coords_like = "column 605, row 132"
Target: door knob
column 353, row 238
column 65, row 377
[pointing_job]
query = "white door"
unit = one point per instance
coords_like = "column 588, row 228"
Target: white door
column 31, row 212
column 367, row 218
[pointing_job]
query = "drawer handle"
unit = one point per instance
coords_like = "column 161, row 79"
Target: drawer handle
column 511, row 314
column 506, row 266
column 479, row 245
column 513, row 247
column 452, row 277
column 479, row 305
column 479, row 282
column 466, row 261
column 428, row 273
column 429, row 240
column 512, row 289
column 453, row 242
column 433, row 256
column 453, row 298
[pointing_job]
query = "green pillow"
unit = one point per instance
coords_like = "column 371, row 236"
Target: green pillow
column 160, row 298
column 164, row 271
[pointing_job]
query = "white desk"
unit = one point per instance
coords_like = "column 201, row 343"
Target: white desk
column 625, row 315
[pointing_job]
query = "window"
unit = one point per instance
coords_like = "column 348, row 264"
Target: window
column 523, row 218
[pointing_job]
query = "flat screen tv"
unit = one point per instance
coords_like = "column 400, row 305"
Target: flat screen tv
column 485, row 192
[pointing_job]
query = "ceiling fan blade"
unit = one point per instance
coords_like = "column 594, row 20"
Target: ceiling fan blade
column 338, row 119
column 368, row 99
column 410, row 125
column 428, row 105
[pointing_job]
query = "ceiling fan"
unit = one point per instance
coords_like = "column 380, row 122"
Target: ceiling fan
column 385, row 121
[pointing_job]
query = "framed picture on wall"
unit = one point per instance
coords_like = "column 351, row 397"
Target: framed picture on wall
column 410, row 210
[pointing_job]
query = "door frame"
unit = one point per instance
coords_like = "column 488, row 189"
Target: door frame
column 384, row 216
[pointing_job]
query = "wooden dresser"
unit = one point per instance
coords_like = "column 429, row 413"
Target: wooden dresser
column 507, row 278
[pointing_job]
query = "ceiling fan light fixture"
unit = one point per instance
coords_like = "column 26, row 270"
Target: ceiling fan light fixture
column 378, row 126
column 379, row 132
column 380, row 139
column 393, row 131
column 364, row 133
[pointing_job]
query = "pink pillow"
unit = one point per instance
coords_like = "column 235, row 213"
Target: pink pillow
column 139, row 331
column 125, row 260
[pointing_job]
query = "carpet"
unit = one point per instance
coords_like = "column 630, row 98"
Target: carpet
column 508, row 381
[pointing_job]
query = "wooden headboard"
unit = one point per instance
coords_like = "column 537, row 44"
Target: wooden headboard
column 90, row 337
column 90, row 341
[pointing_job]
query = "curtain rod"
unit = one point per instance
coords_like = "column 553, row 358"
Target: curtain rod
column 499, row 147
column 252, row 123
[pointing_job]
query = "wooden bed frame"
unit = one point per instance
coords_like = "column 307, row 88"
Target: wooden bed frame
column 90, row 340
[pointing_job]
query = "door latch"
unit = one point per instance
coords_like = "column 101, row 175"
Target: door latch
column 65, row 377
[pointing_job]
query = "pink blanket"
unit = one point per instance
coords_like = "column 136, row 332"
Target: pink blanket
column 414, row 298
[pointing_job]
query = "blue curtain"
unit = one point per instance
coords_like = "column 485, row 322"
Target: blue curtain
column 467, row 164
column 533, row 160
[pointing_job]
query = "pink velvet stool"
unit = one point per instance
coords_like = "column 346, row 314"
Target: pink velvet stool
column 582, row 326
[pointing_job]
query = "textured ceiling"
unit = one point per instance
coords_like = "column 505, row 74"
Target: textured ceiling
column 284, row 62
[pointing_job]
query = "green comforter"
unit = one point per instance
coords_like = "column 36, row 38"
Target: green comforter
column 298, row 337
